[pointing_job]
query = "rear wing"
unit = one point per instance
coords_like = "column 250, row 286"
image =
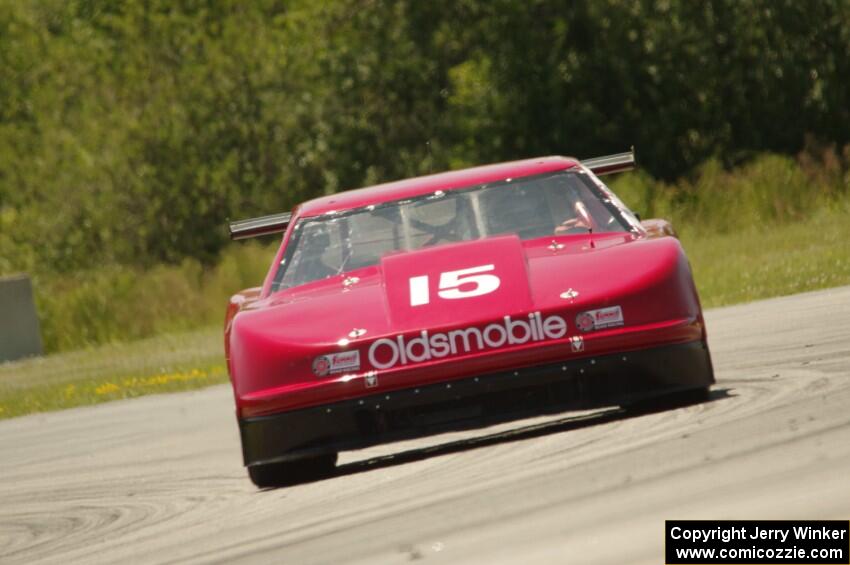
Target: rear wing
column 611, row 163
column 255, row 227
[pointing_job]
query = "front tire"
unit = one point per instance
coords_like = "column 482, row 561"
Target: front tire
column 288, row 473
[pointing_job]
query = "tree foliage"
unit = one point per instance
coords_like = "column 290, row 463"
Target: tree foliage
column 130, row 131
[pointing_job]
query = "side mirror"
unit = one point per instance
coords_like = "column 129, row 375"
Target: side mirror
column 657, row 227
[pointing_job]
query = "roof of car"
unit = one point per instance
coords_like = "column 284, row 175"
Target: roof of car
column 418, row 186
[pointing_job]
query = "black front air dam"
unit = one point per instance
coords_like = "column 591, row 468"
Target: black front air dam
column 476, row 401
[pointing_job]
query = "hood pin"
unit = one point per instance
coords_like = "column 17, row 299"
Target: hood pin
column 569, row 294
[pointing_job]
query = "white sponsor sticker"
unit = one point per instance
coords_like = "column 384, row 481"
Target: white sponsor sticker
column 336, row 363
column 598, row 319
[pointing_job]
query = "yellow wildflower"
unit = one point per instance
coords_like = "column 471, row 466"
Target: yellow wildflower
column 106, row 388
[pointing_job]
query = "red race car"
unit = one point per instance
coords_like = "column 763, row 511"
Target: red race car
column 454, row 300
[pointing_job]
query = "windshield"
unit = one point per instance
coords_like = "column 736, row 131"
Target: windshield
column 563, row 203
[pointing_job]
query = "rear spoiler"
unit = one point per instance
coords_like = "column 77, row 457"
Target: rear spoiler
column 277, row 223
column 255, row 227
column 611, row 163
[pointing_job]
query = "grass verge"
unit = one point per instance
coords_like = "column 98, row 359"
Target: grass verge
column 167, row 363
column 762, row 262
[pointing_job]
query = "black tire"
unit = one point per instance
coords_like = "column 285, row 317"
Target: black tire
column 671, row 400
column 293, row 472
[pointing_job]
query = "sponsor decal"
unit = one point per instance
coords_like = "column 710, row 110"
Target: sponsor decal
column 386, row 353
column 324, row 365
column 321, row 366
column 371, row 379
column 599, row 319
column 584, row 321
column 577, row 344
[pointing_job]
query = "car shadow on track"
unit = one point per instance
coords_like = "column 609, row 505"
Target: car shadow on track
column 565, row 424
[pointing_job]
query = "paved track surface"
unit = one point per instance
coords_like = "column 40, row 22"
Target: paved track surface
column 158, row 479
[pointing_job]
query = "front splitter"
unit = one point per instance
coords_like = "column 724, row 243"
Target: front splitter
column 478, row 401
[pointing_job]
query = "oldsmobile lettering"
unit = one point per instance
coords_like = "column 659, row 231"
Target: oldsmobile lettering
column 385, row 353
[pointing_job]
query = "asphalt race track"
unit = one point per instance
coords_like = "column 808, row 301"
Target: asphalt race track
column 159, row 479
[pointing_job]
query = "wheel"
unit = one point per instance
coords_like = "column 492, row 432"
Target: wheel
column 292, row 472
column 671, row 400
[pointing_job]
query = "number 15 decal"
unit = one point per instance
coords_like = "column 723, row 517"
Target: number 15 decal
column 451, row 282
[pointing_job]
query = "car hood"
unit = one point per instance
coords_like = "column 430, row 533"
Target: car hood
column 464, row 285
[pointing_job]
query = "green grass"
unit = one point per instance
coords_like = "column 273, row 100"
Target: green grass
column 166, row 363
column 123, row 303
column 771, row 261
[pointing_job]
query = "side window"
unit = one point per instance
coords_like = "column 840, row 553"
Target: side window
column 318, row 255
column 601, row 211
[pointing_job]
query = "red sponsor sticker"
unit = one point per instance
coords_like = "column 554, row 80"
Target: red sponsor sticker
column 585, row 321
column 321, row 366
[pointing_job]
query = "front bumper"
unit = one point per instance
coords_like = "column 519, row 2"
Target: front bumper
column 475, row 401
